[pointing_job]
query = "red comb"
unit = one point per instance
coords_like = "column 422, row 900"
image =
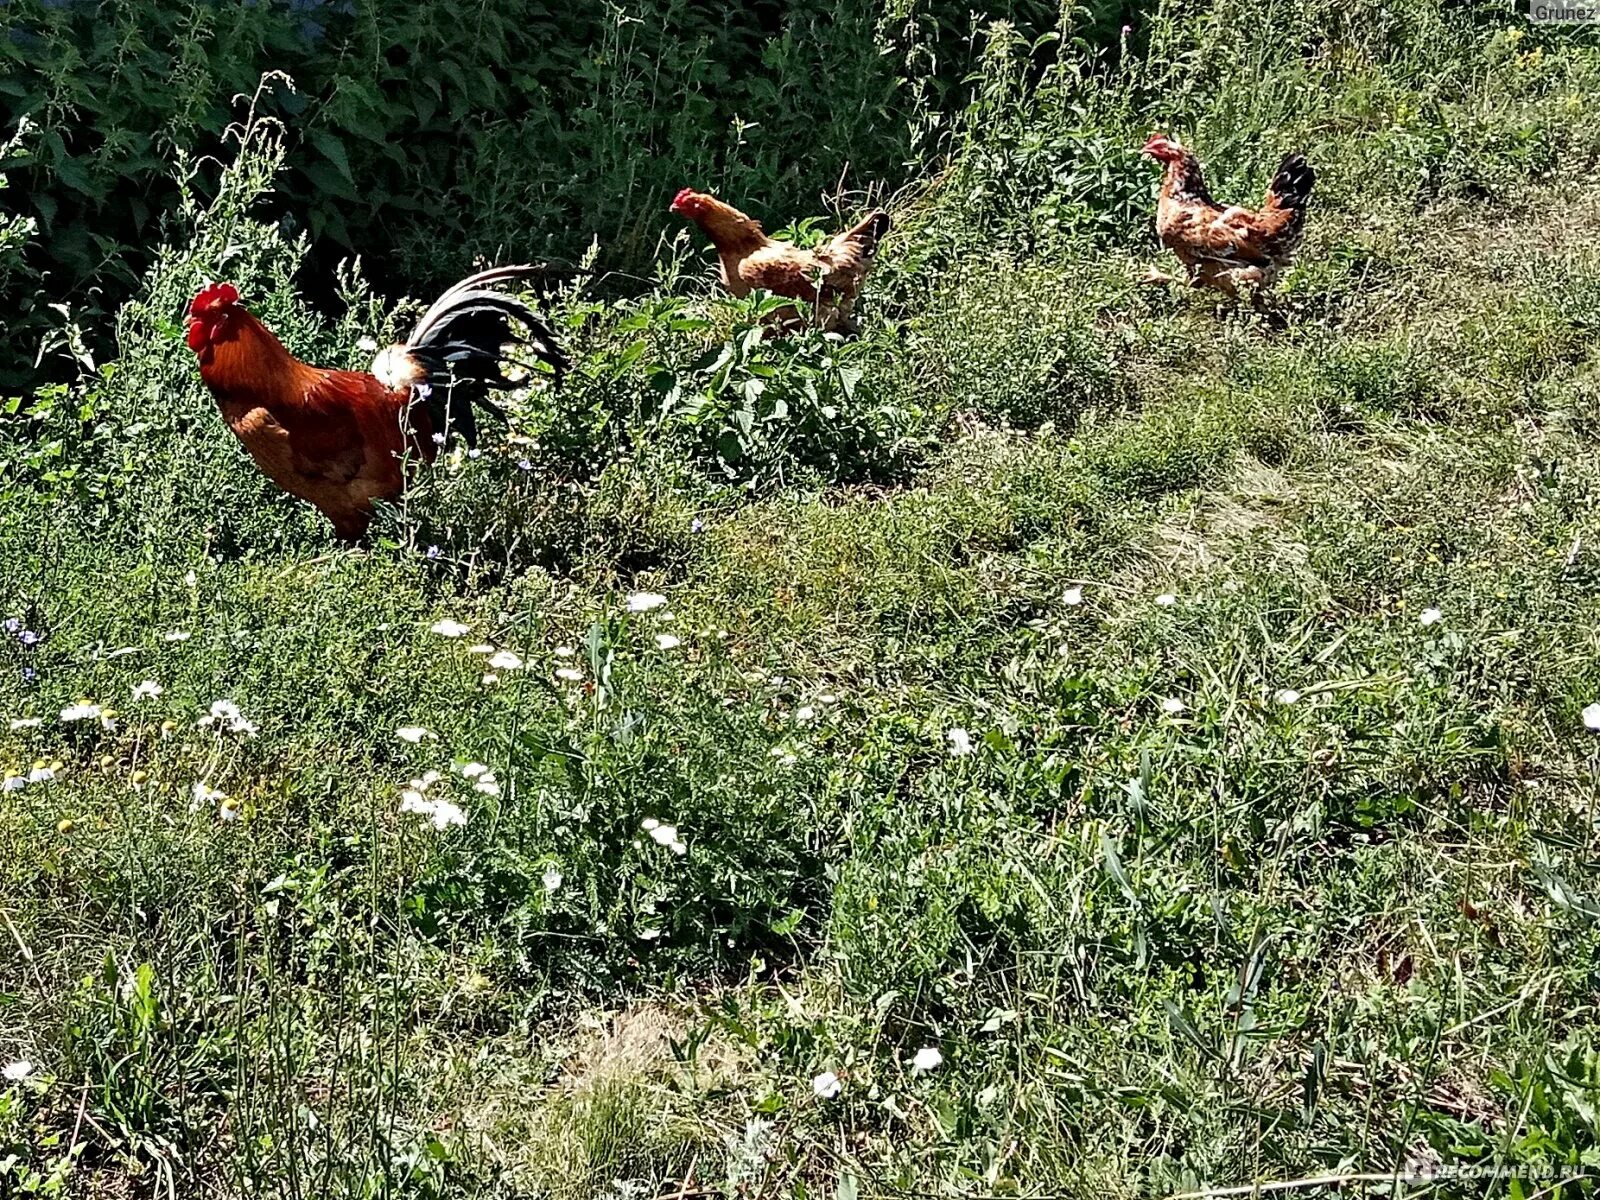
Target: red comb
column 682, row 195
column 215, row 295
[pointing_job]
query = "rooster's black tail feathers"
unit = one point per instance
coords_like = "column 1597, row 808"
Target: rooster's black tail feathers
column 1291, row 186
column 464, row 338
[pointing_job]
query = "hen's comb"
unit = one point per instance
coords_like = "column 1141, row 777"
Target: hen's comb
column 682, row 195
column 215, row 295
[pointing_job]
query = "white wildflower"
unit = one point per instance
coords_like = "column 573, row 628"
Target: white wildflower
column 366, row 343
column 664, row 835
column 81, row 712
column 203, row 794
column 446, row 814
column 504, row 660
column 1166, row 600
column 827, row 1085
column 564, row 652
column 1287, row 696
column 648, row 824
column 927, row 1059
column 569, row 674
column 26, row 723
column 12, row 782
column 450, row 629
column 487, row 784
column 960, row 742
column 490, row 679
column 177, row 635
column 225, row 716
column 18, row 1071
column 41, row 774
column 668, row 641
column 639, row 602
column 1591, row 717
column 804, row 713
column 481, row 648
column 551, row 879
column 472, row 770
column 1430, row 616
column 679, row 849
column 1072, row 597
column 148, row 690
column 1172, row 706
column 413, row 801
column 413, row 733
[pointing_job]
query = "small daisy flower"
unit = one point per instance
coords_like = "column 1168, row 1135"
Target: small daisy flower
column 827, row 1085
column 449, row 629
column 490, row 679
column 639, row 602
column 228, row 809
column 1172, row 706
column 569, row 674
column 667, row 641
column 504, row 660
column 1166, row 600
column 679, row 849
column 1591, row 718
column 366, row 343
column 26, row 723
column 177, row 635
column 41, row 774
column 225, row 716
column 1430, row 616
column 202, row 795
column 960, row 742
column 927, row 1059
column 82, row 711
column 480, row 648
column 473, row 770
column 148, row 690
column 412, row 734
column 17, row 1071
column 664, row 835
column 804, row 713
column 564, row 651
column 1286, row 696
column 12, row 782
column 488, row 785
column 551, row 879
column 1072, row 597
column 648, row 824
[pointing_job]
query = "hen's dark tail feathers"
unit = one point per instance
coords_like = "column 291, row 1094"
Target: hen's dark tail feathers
column 874, row 227
column 1291, row 186
column 462, row 340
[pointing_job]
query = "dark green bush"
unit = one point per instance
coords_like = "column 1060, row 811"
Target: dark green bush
column 427, row 133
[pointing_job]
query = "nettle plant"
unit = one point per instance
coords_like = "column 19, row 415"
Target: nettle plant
column 760, row 411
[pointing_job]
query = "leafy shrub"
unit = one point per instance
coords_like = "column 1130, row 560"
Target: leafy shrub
column 428, row 133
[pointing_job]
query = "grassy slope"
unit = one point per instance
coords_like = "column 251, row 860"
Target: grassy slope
column 1254, row 937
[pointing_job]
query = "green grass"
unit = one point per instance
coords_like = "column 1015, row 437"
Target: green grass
column 1273, row 854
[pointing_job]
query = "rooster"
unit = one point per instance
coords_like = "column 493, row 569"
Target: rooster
column 341, row 439
column 1224, row 248
column 828, row 277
